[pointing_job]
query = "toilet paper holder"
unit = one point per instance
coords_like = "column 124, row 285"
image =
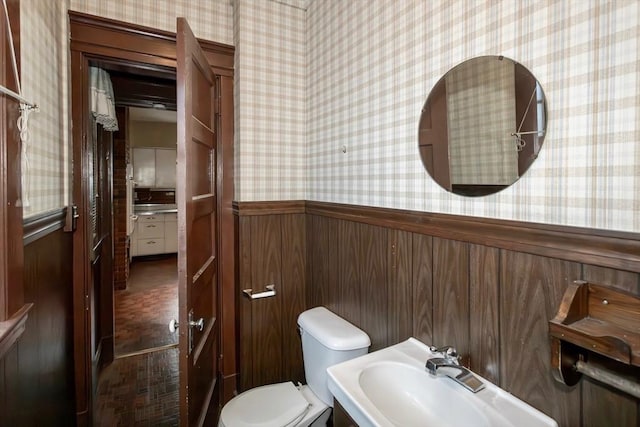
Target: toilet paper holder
column 270, row 292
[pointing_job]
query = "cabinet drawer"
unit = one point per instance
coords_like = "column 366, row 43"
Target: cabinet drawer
column 150, row 246
column 151, row 230
column 171, row 217
column 143, row 219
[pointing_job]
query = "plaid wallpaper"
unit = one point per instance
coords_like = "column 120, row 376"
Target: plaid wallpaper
column 44, row 72
column 270, row 100
column 329, row 95
column 481, row 116
column 209, row 19
column 371, row 65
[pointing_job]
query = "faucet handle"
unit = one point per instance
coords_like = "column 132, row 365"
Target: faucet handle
column 447, row 351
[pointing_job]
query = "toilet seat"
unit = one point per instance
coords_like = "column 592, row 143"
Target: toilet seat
column 274, row 405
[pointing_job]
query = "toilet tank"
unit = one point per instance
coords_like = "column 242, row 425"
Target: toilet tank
column 327, row 339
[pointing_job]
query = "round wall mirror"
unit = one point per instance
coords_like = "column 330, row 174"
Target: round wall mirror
column 482, row 126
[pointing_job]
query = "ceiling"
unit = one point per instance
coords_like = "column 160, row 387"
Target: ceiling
column 138, row 114
column 149, row 92
column 138, row 90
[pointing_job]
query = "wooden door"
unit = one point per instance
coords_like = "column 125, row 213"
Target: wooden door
column 197, row 261
column 93, row 262
column 433, row 136
column 101, row 282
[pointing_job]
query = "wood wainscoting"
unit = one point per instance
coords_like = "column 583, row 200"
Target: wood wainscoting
column 272, row 250
column 36, row 375
column 486, row 286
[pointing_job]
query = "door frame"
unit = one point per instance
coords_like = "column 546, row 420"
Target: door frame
column 95, row 38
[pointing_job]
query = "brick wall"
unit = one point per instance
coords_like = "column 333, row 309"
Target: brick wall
column 120, row 239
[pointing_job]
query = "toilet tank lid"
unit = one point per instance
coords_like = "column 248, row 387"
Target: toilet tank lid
column 332, row 331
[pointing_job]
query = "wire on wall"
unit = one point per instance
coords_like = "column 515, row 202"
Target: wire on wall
column 520, row 143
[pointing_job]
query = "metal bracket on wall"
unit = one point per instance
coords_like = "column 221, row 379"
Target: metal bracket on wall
column 71, row 219
column 270, row 292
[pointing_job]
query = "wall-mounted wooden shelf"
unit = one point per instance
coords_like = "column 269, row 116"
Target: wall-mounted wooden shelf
column 594, row 318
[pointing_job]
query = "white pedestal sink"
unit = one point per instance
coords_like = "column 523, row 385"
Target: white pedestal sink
column 391, row 387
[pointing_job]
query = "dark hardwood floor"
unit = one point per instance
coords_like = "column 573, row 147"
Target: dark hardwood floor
column 140, row 388
column 144, row 309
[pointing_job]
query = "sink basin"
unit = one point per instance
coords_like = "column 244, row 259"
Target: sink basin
column 398, row 391
column 391, row 387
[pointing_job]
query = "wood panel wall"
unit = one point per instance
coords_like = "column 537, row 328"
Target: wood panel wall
column 36, row 375
column 272, row 250
column 396, row 274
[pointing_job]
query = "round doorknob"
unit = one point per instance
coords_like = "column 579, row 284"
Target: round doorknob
column 173, row 325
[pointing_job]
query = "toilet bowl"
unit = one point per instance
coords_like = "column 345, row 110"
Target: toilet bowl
column 327, row 339
column 282, row 404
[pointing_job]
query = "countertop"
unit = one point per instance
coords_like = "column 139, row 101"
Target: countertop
column 154, row 209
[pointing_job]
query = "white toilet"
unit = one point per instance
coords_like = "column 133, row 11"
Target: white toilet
column 327, row 339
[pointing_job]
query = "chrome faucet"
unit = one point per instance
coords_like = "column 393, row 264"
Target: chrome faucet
column 448, row 352
column 448, row 364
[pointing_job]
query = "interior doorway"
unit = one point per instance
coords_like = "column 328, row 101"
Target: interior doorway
column 144, row 232
column 146, row 296
column 154, row 52
column 145, row 281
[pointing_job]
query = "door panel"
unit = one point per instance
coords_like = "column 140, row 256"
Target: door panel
column 197, row 262
column 102, row 244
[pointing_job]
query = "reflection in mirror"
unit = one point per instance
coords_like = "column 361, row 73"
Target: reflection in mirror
column 482, row 126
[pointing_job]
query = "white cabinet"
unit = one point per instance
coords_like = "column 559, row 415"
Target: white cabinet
column 165, row 168
column 150, row 246
column 155, row 234
column 149, row 235
column 144, row 167
column 154, row 167
column 151, row 226
column 133, row 246
column 171, row 233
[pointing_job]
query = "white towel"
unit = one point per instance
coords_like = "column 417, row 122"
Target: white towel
column 101, row 99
